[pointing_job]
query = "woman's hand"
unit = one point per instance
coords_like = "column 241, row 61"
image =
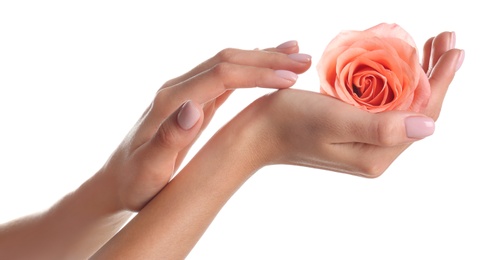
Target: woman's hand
column 151, row 153
column 310, row 129
column 141, row 166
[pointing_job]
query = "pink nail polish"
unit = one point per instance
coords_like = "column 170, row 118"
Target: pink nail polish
column 288, row 44
column 418, row 127
column 452, row 40
column 300, row 57
column 460, row 60
column 285, row 74
column 188, row 115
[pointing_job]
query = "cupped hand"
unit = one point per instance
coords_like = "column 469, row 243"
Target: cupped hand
column 152, row 151
column 310, row 129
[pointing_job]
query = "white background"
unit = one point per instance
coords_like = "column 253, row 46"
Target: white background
column 74, row 78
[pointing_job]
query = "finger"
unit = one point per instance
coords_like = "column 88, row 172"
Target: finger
column 329, row 120
column 442, row 43
column 174, row 135
column 393, row 128
column 427, row 51
column 441, row 77
column 260, row 58
column 209, row 109
column 384, row 129
column 288, row 47
column 217, row 80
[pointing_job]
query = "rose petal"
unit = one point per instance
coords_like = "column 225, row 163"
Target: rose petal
column 386, row 30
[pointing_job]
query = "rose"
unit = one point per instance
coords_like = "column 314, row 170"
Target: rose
column 377, row 69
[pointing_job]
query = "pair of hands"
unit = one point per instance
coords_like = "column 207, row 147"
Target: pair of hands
column 288, row 126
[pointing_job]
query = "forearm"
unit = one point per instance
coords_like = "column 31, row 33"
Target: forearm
column 75, row 227
column 172, row 223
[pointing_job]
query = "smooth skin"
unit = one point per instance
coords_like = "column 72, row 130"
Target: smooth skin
column 288, row 126
column 81, row 222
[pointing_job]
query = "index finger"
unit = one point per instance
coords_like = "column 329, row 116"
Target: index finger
column 288, row 47
column 440, row 78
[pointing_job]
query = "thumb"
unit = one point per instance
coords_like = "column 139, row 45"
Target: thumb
column 174, row 134
column 390, row 128
column 396, row 127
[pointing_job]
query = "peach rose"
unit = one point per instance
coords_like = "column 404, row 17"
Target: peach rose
column 377, row 69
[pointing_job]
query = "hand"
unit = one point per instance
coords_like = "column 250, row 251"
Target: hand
column 141, row 166
column 151, row 153
column 309, row 129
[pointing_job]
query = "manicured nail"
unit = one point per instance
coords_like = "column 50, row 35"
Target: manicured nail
column 300, row 57
column 452, row 40
column 460, row 60
column 419, row 127
column 285, row 74
column 188, row 115
column 288, row 44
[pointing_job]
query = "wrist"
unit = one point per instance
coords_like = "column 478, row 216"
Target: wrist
column 250, row 135
column 101, row 194
column 92, row 205
column 79, row 223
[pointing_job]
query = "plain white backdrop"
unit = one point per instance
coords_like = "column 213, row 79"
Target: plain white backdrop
column 74, row 78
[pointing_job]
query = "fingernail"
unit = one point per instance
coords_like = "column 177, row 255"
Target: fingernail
column 452, row 40
column 285, row 74
column 419, row 127
column 288, row 44
column 300, row 57
column 188, row 115
column 460, row 60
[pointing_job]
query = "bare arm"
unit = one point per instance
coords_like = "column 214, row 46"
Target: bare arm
column 62, row 231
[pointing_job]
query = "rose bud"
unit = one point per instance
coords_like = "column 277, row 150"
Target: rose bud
column 377, row 70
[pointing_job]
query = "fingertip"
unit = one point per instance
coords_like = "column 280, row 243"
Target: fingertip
column 300, row 57
column 419, row 127
column 189, row 114
column 452, row 40
column 288, row 45
column 460, row 59
column 287, row 75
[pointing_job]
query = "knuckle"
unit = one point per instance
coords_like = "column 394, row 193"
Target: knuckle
column 221, row 69
column 222, row 72
column 226, row 55
column 160, row 99
column 168, row 83
column 385, row 132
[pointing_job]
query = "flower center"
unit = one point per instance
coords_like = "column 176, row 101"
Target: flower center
column 370, row 87
column 357, row 91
